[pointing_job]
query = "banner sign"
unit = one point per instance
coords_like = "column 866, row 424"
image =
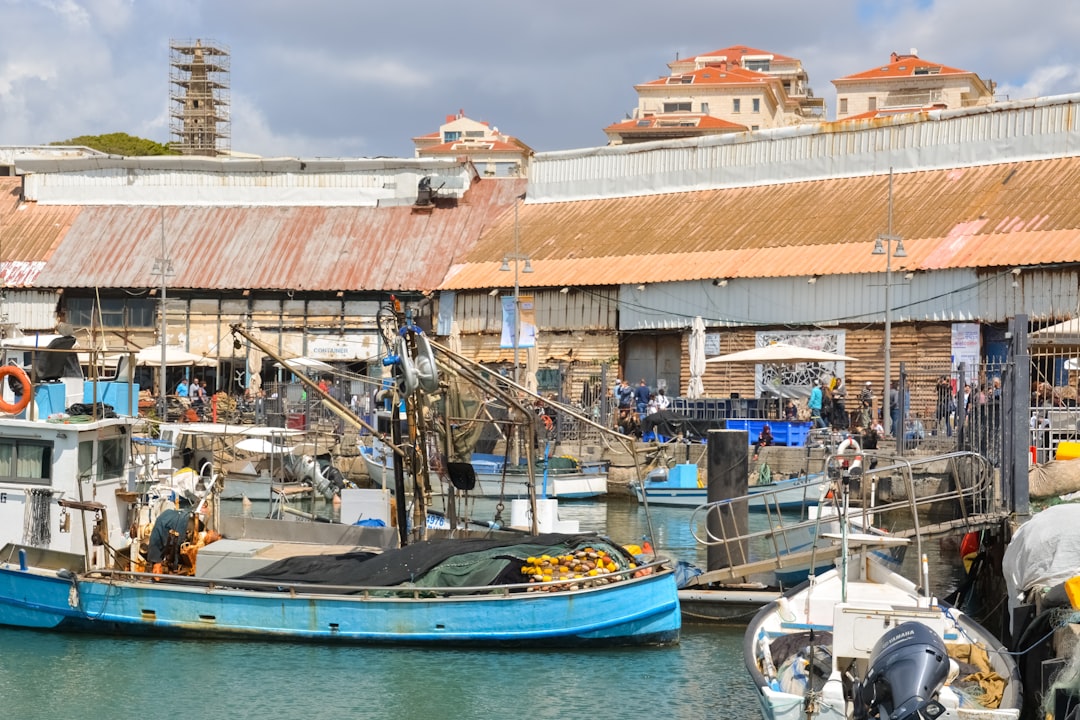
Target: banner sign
column 528, row 322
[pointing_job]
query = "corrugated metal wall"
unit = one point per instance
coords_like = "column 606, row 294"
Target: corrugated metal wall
column 30, row 310
column 945, row 295
column 578, row 309
column 948, row 138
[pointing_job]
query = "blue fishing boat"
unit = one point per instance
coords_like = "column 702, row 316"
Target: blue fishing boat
column 632, row 605
column 683, row 486
column 94, row 540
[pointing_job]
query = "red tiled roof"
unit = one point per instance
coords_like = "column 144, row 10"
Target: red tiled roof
column 731, row 75
column 735, row 53
column 660, row 123
column 904, row 67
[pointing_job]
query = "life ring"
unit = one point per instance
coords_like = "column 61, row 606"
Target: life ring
column 24, row 399
column 851, row 443
column 426, row 370
column 848, row 444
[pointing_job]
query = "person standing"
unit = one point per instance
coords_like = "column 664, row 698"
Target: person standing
column 641, row 397
column 814, row 403
column 662, row 400
column 945, row 404
column 866, row 405
column 840, row 419
column 182, row 388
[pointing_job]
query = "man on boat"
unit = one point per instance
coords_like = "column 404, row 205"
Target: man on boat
column 172, row 530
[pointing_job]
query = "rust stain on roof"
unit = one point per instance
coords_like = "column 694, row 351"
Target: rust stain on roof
column 29, row 233
column 988, row 216
column 276, row 248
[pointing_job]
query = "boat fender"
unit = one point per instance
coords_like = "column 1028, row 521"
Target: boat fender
column 19, row 375
column 426, row 370
column 409, row 377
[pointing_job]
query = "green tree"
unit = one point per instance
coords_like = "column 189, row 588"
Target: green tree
column 120, row 144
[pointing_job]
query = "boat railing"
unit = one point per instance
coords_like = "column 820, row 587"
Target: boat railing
column 785, row 540
column 56, row 365
column 641, row 572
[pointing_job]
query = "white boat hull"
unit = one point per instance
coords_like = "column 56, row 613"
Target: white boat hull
column 566, row 486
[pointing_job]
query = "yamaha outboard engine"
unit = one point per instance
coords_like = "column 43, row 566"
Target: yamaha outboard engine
column 908, row 666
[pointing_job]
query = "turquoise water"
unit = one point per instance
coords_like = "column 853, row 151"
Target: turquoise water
column 62, row 676
column 45, row 675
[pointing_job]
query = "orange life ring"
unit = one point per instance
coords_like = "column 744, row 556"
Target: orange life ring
column 28, row 389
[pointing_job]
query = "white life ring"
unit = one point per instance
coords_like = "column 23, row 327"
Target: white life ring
column 848, row 444
column 851, row 444
column 426, row 369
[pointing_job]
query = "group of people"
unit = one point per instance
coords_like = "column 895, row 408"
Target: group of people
column 636, row 403
column 828, row 404
column 195, row 391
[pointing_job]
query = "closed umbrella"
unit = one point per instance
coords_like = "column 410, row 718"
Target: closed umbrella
column 696, row 388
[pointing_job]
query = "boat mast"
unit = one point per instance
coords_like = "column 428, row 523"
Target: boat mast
column 163, row 266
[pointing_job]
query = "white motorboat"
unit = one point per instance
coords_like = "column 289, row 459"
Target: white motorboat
column 862, row 641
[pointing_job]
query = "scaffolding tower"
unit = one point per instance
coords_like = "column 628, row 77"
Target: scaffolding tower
column 199, row 97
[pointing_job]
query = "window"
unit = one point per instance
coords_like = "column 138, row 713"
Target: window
column 843, row 106
column 757, row 65
column 25, row 461
column 670, row 107
column 873, row 103
column 757, row 105
column 704, row 108
column 451, row 135
column 735, row 105
column 115, row 312
column 110, row 460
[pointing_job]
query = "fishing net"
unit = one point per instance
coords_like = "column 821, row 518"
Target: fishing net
column 1067, row 680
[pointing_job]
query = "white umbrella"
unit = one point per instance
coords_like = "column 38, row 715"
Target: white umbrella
column 780, row 353
column 300, row 364
column 174, row 356
column 696, row 388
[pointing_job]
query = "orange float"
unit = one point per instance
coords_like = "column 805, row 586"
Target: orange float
column 20, row 375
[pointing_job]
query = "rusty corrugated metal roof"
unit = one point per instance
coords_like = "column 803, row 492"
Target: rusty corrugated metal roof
column 276, row 248
column 1020, row 213
column 29, row 233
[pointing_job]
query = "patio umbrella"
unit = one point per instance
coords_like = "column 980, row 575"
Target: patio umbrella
column 780, row 354
column 696, row 388
column 174, row 356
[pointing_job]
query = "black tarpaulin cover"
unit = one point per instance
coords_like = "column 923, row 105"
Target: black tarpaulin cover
column 433, row 563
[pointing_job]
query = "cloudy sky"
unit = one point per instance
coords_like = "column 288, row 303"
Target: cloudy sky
column 345, row 78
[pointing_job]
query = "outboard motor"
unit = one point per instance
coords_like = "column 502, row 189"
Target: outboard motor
column 908, row 666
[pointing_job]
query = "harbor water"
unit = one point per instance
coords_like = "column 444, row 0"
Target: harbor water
column 46, row 675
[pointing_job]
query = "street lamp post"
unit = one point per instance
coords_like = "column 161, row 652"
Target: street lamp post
column 516, row 256
column 883, row 246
